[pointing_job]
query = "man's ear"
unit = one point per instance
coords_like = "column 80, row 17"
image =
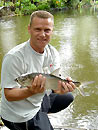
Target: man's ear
column 29, row 29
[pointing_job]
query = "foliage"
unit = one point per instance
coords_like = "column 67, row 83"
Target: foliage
column 1, row 3
column 96, row 2
column 43, row 5
column 17, row 11
column 17, row 4
column 9, row 4
column 24, row 7
column 57, row 3
column 86, row 2
column 6, row 3
column 28, row 6
column 71, row 3
column 28, row 9
column 75, row 3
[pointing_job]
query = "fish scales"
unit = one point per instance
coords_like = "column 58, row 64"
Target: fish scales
column 51, row 80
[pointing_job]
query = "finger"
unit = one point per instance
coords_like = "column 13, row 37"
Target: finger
column 42, row 86
column 69, row 79
column 39, row 81
column 60, row 85
column 35, row 81
column 43, row 82
column 59, row 88
column 72, row 84
column 69, row 86
column 65, row 88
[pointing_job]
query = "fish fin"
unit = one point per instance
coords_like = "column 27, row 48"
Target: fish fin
column 80, row 89
column 87, row 83
column 56, row 72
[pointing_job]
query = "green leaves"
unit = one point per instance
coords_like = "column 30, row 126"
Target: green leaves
column 43, row 5
column 28, row 9
column 28, row 6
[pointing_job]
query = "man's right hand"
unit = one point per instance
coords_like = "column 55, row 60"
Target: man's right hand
column 38, row 85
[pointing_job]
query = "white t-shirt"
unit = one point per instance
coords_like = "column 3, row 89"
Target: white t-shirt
column 20, row 60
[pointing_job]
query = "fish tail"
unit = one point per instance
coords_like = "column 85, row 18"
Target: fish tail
column 80, row 89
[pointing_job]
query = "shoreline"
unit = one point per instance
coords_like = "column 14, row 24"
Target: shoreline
column 55, row 128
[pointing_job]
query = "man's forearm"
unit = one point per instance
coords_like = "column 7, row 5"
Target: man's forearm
column 16, row 94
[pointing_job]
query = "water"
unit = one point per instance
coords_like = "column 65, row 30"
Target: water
column 76, row 38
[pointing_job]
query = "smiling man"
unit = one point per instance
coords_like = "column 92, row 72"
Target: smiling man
column 40, row 30
column 27, row 108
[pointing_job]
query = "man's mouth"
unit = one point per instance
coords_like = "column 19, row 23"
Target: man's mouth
column 42, row 40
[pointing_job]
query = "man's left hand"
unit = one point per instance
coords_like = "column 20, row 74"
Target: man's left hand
column 65, row 87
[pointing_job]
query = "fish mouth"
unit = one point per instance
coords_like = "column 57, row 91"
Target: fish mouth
column 16, row 80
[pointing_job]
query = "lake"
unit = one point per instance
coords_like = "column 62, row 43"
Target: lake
column 76, row 38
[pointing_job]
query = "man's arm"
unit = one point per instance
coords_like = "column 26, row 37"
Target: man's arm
column 16, row 94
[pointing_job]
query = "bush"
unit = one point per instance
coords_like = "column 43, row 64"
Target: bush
column 28, row 9
column 43, row 6
column 18, row 11
column 17, row 4
column 1, row 3
column 57, row 3
column 96, row 2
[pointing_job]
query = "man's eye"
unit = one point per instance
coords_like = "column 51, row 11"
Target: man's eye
column 37, row 29
column 47, row 30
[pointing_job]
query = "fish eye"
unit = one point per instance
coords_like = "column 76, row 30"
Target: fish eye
column 16, row 79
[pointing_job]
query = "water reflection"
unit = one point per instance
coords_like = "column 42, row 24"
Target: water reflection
column 94, row 48
column 7, row 35
column 76, row 38
column 78, row 51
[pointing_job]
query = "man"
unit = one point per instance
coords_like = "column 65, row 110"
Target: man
column 27, row 108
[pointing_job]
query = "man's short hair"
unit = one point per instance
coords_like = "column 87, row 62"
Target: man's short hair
column 41, row 14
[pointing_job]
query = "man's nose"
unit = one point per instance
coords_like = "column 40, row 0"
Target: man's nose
column 42, row 33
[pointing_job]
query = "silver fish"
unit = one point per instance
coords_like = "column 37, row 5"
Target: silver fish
column 51, row 80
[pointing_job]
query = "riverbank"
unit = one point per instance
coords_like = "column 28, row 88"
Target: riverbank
column 55, row 128
column 27, row 7
column 9, row 11
column 6, row 11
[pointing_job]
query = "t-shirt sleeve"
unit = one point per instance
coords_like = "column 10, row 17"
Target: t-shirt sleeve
column 11, row 69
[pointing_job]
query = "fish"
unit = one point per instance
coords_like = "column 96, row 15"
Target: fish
column 51, row 80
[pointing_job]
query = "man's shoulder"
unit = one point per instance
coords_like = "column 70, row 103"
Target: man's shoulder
column 18, row 49
column 16, row 52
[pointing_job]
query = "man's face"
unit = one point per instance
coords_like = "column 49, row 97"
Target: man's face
column 40, row 31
